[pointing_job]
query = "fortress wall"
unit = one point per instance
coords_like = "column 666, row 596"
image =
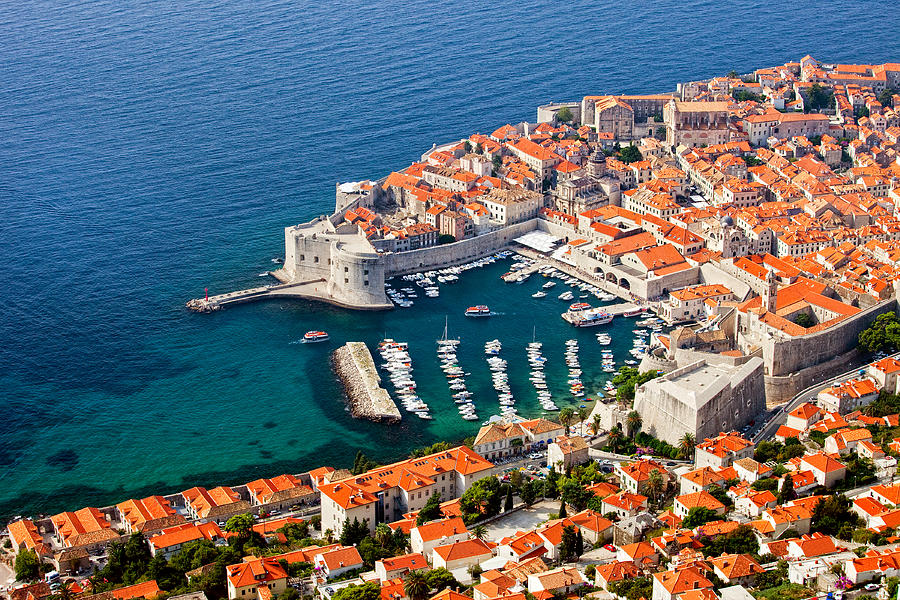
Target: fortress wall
column 711, row 273
column 789, row 356
column 781, row 388
column 434, row 257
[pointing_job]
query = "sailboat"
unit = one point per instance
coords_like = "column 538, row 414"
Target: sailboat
column 446, row 341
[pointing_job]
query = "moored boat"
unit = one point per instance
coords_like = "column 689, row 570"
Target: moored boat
column 478, row 311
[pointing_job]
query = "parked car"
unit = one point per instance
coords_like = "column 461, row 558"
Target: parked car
column 871, row 587
column 609, row 547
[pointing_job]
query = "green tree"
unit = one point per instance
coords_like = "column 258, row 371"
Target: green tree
column 562, row 509
column 497, row 162
column 633, row 588
column 565, row 417
column 446, row 238
column 483, row 498
column 479, row 149
column 431, row 510
column 698, row 516
column 564, row 115
column 579, row 544
column 289, row 594
column 732, row 74
column 240, row 524
column 467, row 146
column 27, row 566
column 416, row 585
column 573, row 492
column 831, row 513
column 660, row 133
column 440, row 579
column 819, row 97
column 768, row 484
column 384, row 535
column 633, row 421
column 583, row 414
column 882, row 334
column 508, row 504
column 630, row 154
column 529, row 492
column 479, row 531
column 804, row 320
column 595, row 424
column 568, row 542
column 366, row 591
column 787, row 492
column 362, row 463
column 352, row 533
column 886, row 98
column 550, row 484
column 654, row 484
column 686, row 445
column 614, row 438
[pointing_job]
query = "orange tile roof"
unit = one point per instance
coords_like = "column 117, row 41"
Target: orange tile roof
column 409, row 474
column 464, row 549
column 436, row 530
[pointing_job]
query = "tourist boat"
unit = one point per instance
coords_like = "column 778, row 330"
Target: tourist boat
column 315, row 336
column 634, row 312
column 539, row 294
column 579, row 306
column 478, row 311
column 587, row 318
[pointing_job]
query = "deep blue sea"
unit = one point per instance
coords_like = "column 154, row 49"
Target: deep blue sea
column 151, row 149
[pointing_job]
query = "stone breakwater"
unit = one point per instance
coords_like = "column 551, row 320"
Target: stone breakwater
column 366, row 398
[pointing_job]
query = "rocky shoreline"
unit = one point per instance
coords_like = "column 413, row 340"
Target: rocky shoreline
column 356, row 369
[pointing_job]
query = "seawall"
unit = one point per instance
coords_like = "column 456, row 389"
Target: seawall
column 366, row 398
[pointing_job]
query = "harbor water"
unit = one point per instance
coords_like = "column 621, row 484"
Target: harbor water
column 151, row 150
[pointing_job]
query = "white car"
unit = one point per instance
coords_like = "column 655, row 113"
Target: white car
column 871, row 587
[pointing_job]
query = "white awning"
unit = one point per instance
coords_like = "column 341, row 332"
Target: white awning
column 538, row 240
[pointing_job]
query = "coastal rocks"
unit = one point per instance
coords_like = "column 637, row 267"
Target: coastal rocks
column 354, row 366
column 202, row 306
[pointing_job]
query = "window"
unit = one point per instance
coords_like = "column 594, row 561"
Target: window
column 302, row 257
column 315, row 259
column 365, row 271
column 346, row 280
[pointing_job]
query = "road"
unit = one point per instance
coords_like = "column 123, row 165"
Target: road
column 779, row 414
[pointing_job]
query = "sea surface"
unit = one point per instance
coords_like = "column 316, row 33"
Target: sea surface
column 149, row 150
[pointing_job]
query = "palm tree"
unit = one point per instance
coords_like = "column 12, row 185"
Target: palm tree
column 565, row 417
column 383, row 534
column 479, row 531
column 634, row 422
column 329, row 535
column 687, row 445
column 595, row 424
column 654, row 484
column 416, row 585
column 614, row 437
column 583, row 414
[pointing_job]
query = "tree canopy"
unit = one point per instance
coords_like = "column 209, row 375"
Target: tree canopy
column 630, row 154
column 819, row 97
column 883, row 334
column 431, row 510
column 564, row 115
column 699, row 515
column 483, row 498
column 27, row 566
column 366, row 591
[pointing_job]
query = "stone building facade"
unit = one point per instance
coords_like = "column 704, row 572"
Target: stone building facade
column 701, row 399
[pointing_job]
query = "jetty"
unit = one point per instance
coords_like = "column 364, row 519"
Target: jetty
column 366, row 398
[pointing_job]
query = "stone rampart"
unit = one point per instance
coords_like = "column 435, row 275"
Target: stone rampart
column 788, row 356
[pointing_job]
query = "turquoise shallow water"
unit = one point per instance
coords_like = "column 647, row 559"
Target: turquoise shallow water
column 150, row 150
